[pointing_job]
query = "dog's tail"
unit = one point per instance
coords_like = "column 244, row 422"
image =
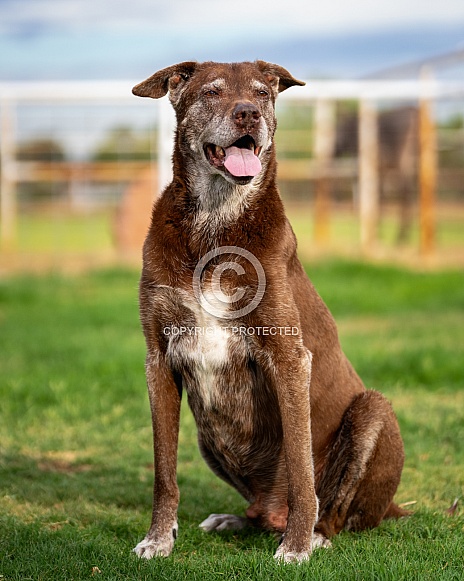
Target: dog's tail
column 394, row 511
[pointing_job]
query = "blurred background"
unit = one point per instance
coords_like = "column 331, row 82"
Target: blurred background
column 371, row 150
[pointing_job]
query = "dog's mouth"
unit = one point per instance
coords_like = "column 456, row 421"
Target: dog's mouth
column 240, row 159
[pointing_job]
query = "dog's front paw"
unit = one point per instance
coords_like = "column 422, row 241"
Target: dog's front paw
column 287, row 556
column 156, row 547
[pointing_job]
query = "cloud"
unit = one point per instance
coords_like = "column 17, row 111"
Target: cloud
column 236, row 18
column 118, row 38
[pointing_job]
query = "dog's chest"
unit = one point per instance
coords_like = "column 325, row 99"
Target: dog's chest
column 209, row 354
column 226, row 388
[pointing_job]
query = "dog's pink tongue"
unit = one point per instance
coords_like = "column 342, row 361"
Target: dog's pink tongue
column 242, row 162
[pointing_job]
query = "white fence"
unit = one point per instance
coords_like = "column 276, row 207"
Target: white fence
column 424, row 91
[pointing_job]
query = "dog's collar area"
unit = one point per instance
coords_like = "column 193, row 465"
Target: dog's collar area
column 240, row 159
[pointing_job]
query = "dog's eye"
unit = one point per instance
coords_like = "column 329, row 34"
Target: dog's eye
column 263, row 93
column 211, row 93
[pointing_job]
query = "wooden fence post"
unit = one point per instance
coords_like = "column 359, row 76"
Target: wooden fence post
column 324, row 142
column 368, row 175
column 8, row 207
column 427, row 172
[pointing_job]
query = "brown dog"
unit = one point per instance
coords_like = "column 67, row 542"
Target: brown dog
column 230, row 316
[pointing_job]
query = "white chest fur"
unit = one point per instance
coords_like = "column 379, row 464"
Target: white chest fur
column 203, row 351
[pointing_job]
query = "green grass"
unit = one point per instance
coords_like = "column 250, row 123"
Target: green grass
column 56, row 233
column 60, row 232
column 344, row 229
column 75, row 436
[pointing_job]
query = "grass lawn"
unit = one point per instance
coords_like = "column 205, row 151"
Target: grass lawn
column 59, row 232
column 344, row 234
column 76, row 450
column 55, row 237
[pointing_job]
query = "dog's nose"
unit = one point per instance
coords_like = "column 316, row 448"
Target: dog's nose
column 246, row 115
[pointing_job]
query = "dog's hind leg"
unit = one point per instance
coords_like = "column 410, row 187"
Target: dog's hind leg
column 224, row 522
column 266, row 492
column 363, row 468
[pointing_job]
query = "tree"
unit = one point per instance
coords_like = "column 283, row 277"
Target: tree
column 122, row 143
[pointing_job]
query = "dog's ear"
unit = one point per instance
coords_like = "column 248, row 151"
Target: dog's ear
column 169, row 79
column 278, row 76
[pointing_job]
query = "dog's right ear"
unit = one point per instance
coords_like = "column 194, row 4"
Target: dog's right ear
column 169, row 79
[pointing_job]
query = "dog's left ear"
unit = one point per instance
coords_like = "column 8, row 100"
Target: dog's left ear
column 277, row 75
column 169, row 79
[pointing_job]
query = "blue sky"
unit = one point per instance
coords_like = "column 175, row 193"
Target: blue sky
column 104, row 39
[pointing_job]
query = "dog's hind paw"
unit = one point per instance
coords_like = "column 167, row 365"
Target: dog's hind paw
column 223, row 522
column 320, row 541
column 161, row 547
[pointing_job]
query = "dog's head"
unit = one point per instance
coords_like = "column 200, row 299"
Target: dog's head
column 225, row 113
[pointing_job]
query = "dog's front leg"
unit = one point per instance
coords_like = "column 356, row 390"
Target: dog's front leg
column 292, row 373
column 165, row 408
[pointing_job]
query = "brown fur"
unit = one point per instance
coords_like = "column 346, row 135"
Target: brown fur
column 280, row 417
